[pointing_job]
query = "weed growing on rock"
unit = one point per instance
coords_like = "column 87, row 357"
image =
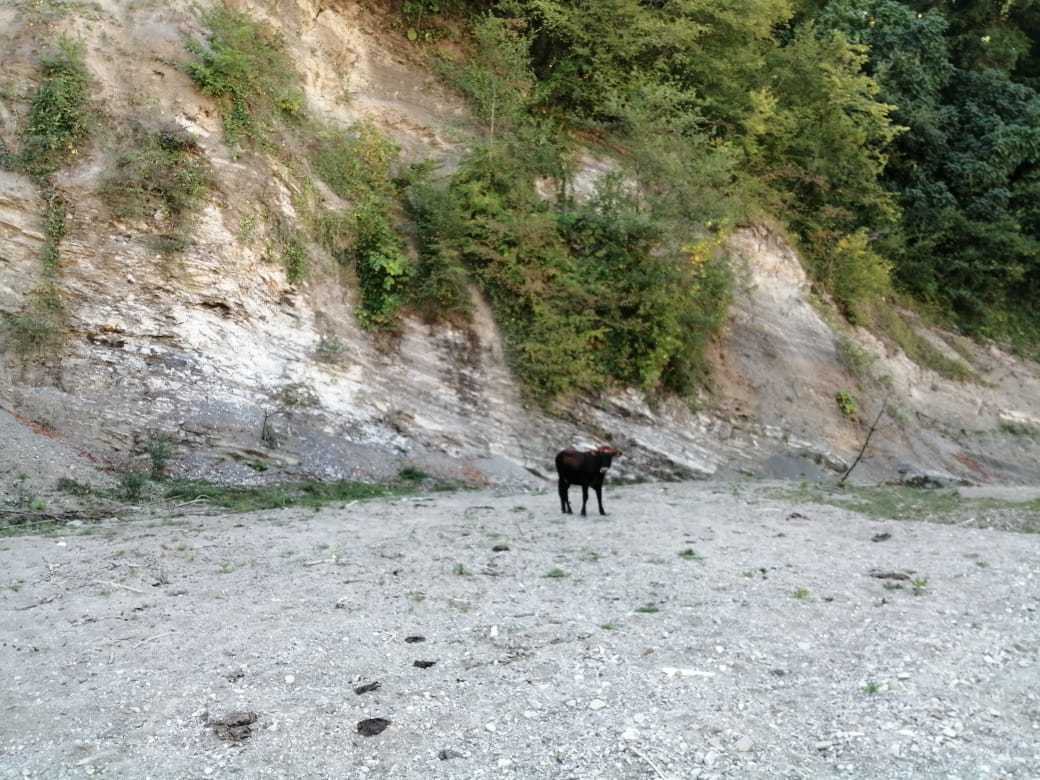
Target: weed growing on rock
column 920, row 585
column 556, row 573
column 846, row 404
column 689, row 554
column 801, row 594
column 58, row 121
column 160, row 174
column 132, row 484
column 648, row 609
column 243, row 66
column 461, row 571
column 871, row 688
column 159, row 448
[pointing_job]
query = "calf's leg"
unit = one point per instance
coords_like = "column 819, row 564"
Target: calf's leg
column 584, row 498
column 565, row 500
column 599, row 498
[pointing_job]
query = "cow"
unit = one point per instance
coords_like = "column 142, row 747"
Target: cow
column 585, row 469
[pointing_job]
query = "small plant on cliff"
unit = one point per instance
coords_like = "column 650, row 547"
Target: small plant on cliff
column 58, row 120
column 159, row 449
column 160, row 170
column 846, row 403
column 242, row 65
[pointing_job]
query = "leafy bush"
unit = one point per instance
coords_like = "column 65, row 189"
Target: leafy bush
column 439, row 289
column 243, row 66
column 356, row 163
column 382, row 267
column 58, row 120
column 159, row 170
column 846, row 403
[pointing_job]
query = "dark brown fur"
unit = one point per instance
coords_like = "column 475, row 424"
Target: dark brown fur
column 585, row 469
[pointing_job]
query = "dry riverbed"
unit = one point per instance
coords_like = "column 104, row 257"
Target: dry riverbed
column 701, row 630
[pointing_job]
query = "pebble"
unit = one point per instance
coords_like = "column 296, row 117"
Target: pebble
column 491, row 727
column 711, row 758
column 290, row 679
column 630, row 735
column 597, row 704
column 743, row 744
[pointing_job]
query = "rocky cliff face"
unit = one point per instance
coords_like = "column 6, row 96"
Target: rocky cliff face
column 216, row 349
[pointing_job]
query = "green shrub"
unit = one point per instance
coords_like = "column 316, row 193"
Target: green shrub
column 39, row 328
column 854, row 358
column 53, row 232
column 846, row 403
column 439, row 290
column 858, row 277
column 159, row 170
column 132, row 484
column 243, row 66
column 355, row 163
column 382, row 267
column 58, row 120
column 159, row 449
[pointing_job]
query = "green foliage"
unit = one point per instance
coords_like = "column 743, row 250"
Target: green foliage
column 243, row 66
column 305, row 494
column 58, row 121
column 963, row 79
column 160, row 171
column 382, row 267
column 846, row 403
column 53, row 232
column 159, row 448
column 132, row 485
column 357, row 163
column 439, row 289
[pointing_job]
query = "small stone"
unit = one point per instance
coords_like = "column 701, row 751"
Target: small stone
column 290, row 679
column 448, row 755
column 711, row 758
column 597, row 704
column 903, row 676
column 491, row 727
column 530, row 714
column 743, row 744
column 630, row 735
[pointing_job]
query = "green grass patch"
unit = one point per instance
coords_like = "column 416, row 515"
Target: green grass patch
column 846, row 404
column 856, row 360
column 302, row 494
column 242, row 64
column 895, row 502
column 556, row 573
column 59, row 118
column 689, row 554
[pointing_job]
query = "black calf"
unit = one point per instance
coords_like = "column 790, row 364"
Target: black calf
column 585, row 469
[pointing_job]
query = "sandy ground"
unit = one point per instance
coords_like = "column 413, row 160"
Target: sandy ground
column 590, row 648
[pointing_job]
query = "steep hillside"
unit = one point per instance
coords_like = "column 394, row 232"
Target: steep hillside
column 255, row 371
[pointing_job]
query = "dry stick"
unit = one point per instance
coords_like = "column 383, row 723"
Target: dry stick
column 151, row 638
column 647, row 760
column 40, row 603
column 863, row 449
column 118, row 585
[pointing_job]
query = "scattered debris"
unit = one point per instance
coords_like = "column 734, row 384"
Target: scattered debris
column 500, row 548
column 372, row 726
column 448, row 755
column 424, row 664
column 415, row 638
column 235, row 726
column 235, row 676
column 882, row 537
column 368, row 687
column 797, row 516
column 880, row 574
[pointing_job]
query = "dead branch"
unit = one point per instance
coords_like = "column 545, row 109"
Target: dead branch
column 863, row 449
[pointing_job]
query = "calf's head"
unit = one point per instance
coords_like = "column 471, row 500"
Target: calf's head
column 605, row 455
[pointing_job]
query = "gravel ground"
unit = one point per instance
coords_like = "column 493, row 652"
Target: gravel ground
column 590, row 648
